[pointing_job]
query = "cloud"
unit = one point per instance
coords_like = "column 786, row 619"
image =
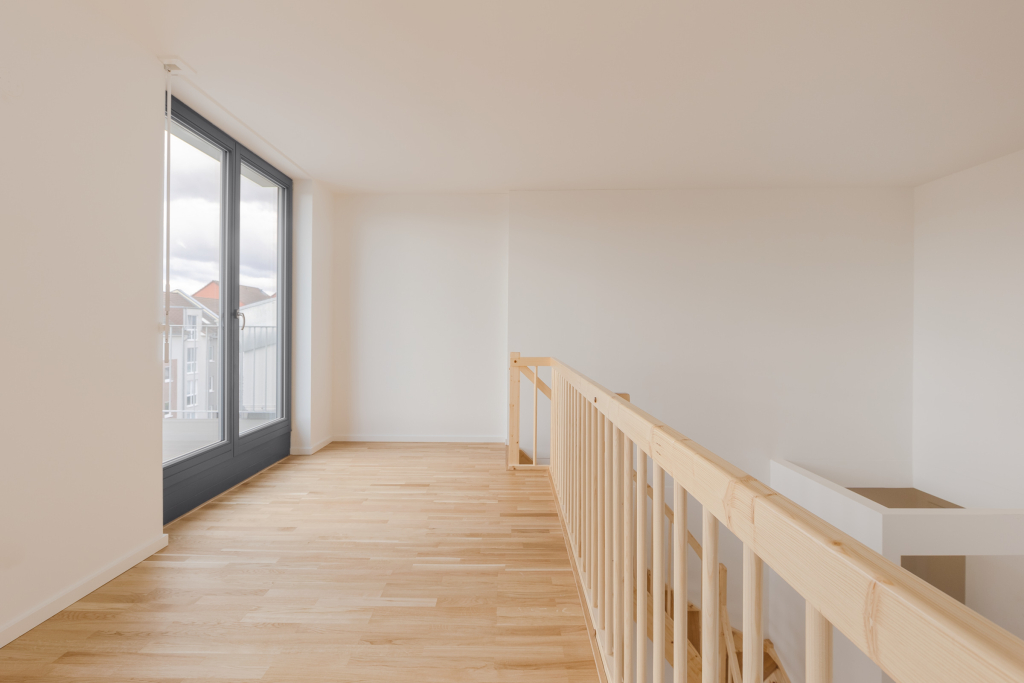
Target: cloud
column 258, row 239
column 194, row 174
column 196, row 218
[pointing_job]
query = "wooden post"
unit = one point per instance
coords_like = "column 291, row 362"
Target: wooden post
column 680, row 653
column 641, row 567
column 628, row 547
column 658, row 573
column 819, row 647
column 513, row 410
column 753, row 622
column 709, row 621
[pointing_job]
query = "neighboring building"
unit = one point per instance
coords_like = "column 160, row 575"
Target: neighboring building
column 193, row 375
column 209, row 296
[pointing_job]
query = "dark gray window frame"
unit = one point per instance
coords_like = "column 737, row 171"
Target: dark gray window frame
column 195, row 478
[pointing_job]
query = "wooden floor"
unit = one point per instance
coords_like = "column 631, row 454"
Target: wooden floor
column 364, row 562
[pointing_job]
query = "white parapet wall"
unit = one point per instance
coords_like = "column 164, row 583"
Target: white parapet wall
column 851, row 513
column 895, row 533
column 899, row 532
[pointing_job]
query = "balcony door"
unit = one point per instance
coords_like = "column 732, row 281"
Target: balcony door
column 226, row 412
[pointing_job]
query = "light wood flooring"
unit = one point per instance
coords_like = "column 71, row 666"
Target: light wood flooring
column 364, row 562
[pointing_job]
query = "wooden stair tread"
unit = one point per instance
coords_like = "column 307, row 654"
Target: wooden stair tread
column 772, row 668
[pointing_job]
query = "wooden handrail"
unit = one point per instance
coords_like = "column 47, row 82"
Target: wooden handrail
column 913, row 631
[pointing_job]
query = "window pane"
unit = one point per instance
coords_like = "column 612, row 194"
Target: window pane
column 259, row 368
column 192, row 418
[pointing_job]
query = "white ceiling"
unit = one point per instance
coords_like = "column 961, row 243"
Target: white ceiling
column 474, row 95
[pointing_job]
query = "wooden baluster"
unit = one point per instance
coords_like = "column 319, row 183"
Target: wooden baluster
column 572, row 503
column 658, row 573
column 591, row 503
column 577, row 501
column 592, row 461
column 562, row 425
column 556, row 430
column 819, row 647
column 552, row 465
column 592, row 509
column 609, row 539
column 536, row 384
column 641, row 567
column 601, row 545
column 581, row 470
column 570, row 462
column 584, row 507
column 584, row 495
column 563, row 432
column 753, row 602
column 628, row 550
column 573, row 500
column 617, row 565
column 680, row 652
column 556, row 435
column 730, row 661
column 710, row 625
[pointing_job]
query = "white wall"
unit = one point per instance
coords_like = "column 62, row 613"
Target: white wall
column 968, row 358
column 968, row 332
column 762, row 323
column 420, row 315
column 312, row 317
column 81, row 128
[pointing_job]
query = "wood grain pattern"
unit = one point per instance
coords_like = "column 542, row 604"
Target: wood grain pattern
column 364, row 562
column 819, row 647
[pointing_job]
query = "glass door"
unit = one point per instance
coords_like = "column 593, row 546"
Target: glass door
column 193, row 379
column 259, row 246
column 226, row 378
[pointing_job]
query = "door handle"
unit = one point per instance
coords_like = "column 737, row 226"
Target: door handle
column 239, row 314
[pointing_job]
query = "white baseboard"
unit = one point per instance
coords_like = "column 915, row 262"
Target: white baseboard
column 433, row 438
column 28, row 621
column 312, row 449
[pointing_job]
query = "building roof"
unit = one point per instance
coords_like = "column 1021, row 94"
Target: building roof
column 209, row 295
column 180, row 301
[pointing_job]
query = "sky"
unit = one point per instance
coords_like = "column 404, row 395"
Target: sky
column 196, row 224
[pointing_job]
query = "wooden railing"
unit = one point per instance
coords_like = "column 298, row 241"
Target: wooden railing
column 913, row 631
